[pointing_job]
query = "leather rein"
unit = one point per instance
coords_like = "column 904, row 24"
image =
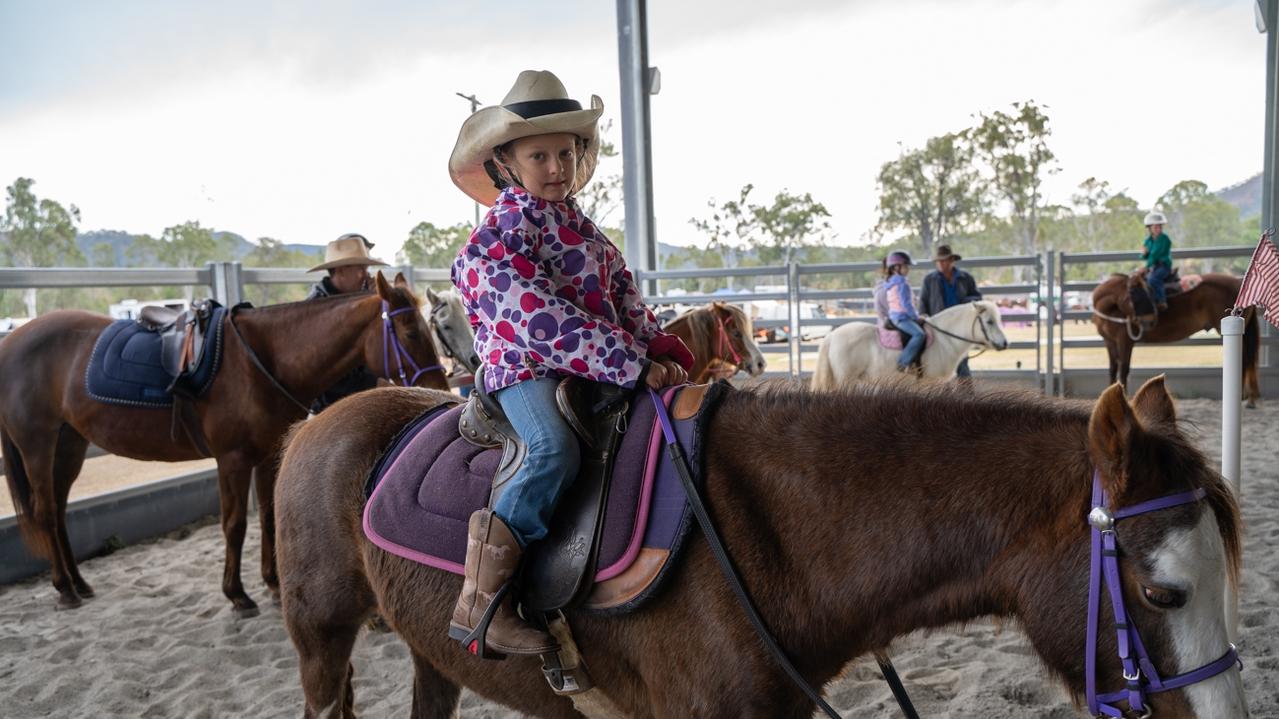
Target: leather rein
column 390, row 343
column 1139, row 672
column 986, row 345
column 729, row 570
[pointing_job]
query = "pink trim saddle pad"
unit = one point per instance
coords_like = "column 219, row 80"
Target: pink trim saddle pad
column 892, row 339
column 425, row 489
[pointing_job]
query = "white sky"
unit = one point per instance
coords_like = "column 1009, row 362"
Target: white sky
column 302, row 121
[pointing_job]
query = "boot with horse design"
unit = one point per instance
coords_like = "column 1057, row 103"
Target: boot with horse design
column 484, row 619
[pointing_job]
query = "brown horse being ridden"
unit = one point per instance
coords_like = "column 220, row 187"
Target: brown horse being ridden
column 48, row 424
column 1188, row 312
column 917, row 507
column 721, row 339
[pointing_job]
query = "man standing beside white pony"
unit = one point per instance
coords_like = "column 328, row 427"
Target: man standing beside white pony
column 948, row 286
column 856, row 351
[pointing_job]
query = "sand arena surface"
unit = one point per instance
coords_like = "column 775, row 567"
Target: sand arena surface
column 159, row 639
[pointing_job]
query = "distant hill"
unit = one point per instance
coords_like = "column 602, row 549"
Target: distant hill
column 119, row 242
column 1246, row 196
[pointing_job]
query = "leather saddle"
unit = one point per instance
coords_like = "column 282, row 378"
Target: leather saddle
column 558, row 569
column 182, row 338
column 1143, row 303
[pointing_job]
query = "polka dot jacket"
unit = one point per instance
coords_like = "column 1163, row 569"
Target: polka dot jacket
column 549, row 295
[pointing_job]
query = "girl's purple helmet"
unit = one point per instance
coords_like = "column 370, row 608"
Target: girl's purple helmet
column 899, row 257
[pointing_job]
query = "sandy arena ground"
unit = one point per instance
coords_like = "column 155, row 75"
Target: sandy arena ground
column 159, row 640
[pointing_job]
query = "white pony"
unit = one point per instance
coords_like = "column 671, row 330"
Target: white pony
column 852, row 352
column 451, row 330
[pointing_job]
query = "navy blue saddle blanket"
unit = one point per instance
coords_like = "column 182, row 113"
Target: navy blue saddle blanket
column 125, row 366
column 425, row 488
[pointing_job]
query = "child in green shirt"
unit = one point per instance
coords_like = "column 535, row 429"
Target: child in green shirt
column 1158, row 256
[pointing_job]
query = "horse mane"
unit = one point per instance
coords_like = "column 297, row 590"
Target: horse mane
column 701, row 325
column 400, row 296
column 919, row 411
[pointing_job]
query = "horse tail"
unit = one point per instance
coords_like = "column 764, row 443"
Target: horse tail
column 824, row 377
column 15, row 474
column 1251, row 350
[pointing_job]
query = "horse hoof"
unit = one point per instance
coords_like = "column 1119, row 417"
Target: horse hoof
column 1250, row 405
column 85, row 591
column 246, row 612
column 68, row 602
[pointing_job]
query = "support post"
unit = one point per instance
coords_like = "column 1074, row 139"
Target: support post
column 1268, row 185
column 1046, row 281
column 1231, row 397
column 637, row 156
column 792, row 313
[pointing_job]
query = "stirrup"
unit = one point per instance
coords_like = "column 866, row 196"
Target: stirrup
column 475, row 641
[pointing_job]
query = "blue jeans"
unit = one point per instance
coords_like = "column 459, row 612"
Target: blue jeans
column 915, row 346
column 551, row 466
column 1155, row 278
column 962, row 370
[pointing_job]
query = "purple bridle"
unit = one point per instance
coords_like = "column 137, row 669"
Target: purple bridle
column 391, row 346
column 1139, row 672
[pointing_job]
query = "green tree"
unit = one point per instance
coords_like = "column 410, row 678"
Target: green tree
column 38, row 233
column 102, row 255
column 792, row 222
column 774, row 233
column 1198, row 218
column 1014, row 149
column 931, row 193
column 432, row 246
column 1101, row 219
column 271, row 252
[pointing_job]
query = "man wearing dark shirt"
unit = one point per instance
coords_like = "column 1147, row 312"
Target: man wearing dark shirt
column 347, row 261
column 948, row 286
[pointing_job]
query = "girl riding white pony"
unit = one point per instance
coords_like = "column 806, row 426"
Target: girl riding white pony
column 852, row 352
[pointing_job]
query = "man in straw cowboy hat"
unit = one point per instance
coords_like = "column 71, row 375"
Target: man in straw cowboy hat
column 948, row 286
column 549, row 296
column 347, row 261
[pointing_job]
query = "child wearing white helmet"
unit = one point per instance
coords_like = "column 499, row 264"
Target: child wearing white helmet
column 1158, row 256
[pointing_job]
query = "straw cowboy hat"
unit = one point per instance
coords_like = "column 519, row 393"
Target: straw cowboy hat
column 537, row 104
column 347, row 250
column 943, row 253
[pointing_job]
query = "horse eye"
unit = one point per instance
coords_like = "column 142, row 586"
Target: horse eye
column 1164, row 598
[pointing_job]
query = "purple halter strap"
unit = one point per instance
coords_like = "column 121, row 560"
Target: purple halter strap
column 1139, row 672
column 391, row 346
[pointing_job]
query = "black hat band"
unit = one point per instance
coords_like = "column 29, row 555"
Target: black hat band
column 538, row 108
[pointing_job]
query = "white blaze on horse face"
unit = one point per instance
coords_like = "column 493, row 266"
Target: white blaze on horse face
column 449, row 319
column 1194, row 559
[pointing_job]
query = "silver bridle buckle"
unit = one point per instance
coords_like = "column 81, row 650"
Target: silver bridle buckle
column 1101, row 519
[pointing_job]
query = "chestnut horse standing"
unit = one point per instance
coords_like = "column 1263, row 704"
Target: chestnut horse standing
column 1189, row 312
column 47, row 420
column 913, row 508
column 721, row 339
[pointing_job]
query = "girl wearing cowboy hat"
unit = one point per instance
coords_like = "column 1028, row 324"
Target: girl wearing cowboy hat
column 1158, row 256
column 548, row 295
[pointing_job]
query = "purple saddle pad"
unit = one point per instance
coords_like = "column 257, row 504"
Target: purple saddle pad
column 892, row 339
column 424, row 491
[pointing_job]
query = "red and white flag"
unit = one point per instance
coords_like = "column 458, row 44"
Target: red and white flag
column 1261, row 282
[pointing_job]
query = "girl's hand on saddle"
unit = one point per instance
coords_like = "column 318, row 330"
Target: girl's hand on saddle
column 655, row 377
column 675, row 373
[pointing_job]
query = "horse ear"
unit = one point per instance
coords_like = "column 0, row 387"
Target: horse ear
column 1153, row 404
column 400, row 281
column 383, row 289
column 1110, row 433
column 430, row 295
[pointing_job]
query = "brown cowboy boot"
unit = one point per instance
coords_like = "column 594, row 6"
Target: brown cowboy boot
column 492, row 557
